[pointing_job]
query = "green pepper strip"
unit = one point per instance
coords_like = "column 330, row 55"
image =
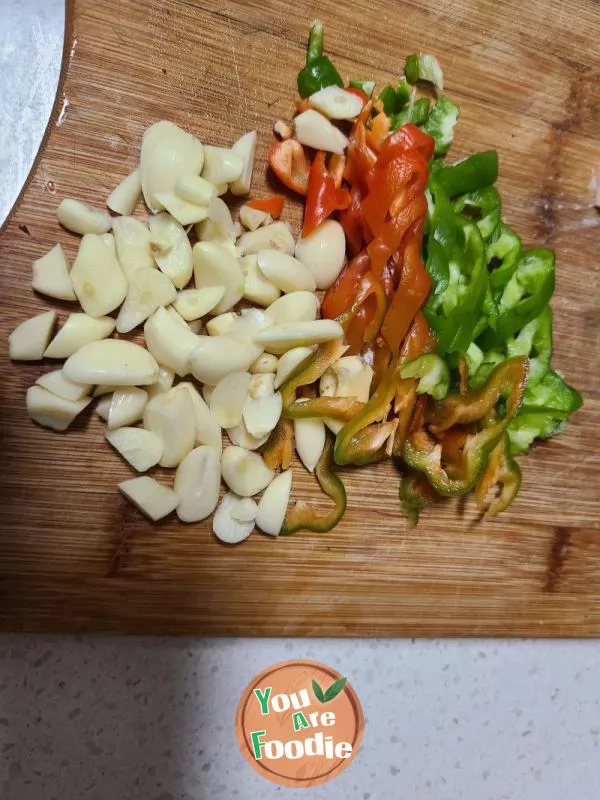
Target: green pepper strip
column 341, row 408
column 311, row 369
column 484, row 207
column 423, row 67
column 469, row 175
column 415, row 494
column 319, row 72
column 440, row 124
column 502, row 471
column 404, row 404
column 277, row 452
column 302, row 516
column 432, row 372
column 422, row 452
column 417, row 113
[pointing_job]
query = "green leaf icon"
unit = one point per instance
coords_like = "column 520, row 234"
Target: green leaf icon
column 318, row 692
column 334, row 690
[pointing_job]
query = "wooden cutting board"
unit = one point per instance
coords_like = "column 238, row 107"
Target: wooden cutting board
column 74, row 556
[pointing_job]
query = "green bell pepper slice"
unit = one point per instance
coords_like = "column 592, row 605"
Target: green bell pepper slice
column 500, row 482
column 534, row 340
column 424, row 67
column 469, row 175
column 416, row 112
column 503, row 252
column 415, row 494
column 368, row 87
column 527, row 292
column 432, row 372
column 441, row 123
column 319, row 72
column 484, row 207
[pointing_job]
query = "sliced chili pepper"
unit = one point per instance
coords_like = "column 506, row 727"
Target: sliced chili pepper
column 502, row 472
column 322, row 197
column 302, row 516
column 272, row 205
column 288, row 161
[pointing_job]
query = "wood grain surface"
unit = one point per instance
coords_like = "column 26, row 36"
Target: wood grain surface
column 75, row 556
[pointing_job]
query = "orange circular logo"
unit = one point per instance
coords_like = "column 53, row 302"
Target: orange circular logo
column 299, row 723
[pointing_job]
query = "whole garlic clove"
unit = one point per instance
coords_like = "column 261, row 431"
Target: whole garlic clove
column 215, row 266
column 285, row 272
column 150, row 497
column 196, row 303
column 264, row 364
column 221, row 221
column 214, row 357
column 124, row 198
column 323, row 252
column 221, row 165
column 227, row 525
column 79, row 218
column 56, row 383
column 132, row 240
column 208, row 430
column 261, row 385
column 103, row 407
column 78, row 330
column 245, row 147
column 315, row 130
column 194, row 189
column 280, row 338
column 171, row 416
column 252, row 218
column 309, row 435
column 336, row 103
column 139, row 447
column 197, row 484
column 167, row 153
column 111, row 361
column 51, row 275
column 273, row 504
column 170, row 342
column 163, row 383
column 126, row 406
column 262, row 414
column 30, row 338
column 257, row 288
column 293, row 307
column 171, row 249
column 98, row 280
column 148, row 290
column 239, row 436
column 229, row 397
column 276, row 236
column 222, row 324
column 185, row 213
column 289, row 361
column 245, row 472
column 51, row 411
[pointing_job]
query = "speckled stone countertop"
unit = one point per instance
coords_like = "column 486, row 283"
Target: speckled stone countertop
column 107, row 718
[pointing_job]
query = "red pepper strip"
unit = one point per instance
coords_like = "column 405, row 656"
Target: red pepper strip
column 381, row 361
column 288, row 161
column 408, row 137
column 392, row 232
column 351, row 220
column 418, row 340
column 340, row 296
column 380, row 127
column 358, row 92
column 272, row 205
column 322, row 197
column 412, row 292
column 359, row 158
column 354, row 334
column 361, row 320
column 393, row 184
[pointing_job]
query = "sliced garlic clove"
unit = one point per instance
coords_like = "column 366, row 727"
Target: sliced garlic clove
column 79, row 218
column 261, row 385
column 323, row 252
column 245, row 472
column 163, row 383
column 98, row 280
column 208, row 430
column 347, row 377
column 285, row 272
column 276, row 236
column 197, row 484
column 289, row 361
column 228, row 399
column 215, row 266
column 239, row 436
column 194, row 304
column 103, row 407
column 126, row 407
column 139, row 447
column 252, row 218
column 280, row 338
column 309, row 435
column 132, row 240
column 262, row 414
column 150, row 497
column 124, row 198
column 226, row 523
column 208, row 231
column 221, row 165
column 264, row 364
column 221, row 220
column 171, row 249
column 336, row 103
column 148, row 290
column 315, row 130
column 171, row 416
column 194, row 189
column 170, row 342
column 273, row 504
column 185, row 213
column 79, row 329
column 51, row 411
column 245, row 147
column 56, row 383
column 216, row 356
column 51, row 275
column 167, row 153
column 222, row 324
column 111, row 361
column 30, row 338
column 257, row 288
column 293, row 307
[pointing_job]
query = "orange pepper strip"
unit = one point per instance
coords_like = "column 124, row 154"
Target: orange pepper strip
column 272, row 205
column 322, row 197
column 288, row 161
